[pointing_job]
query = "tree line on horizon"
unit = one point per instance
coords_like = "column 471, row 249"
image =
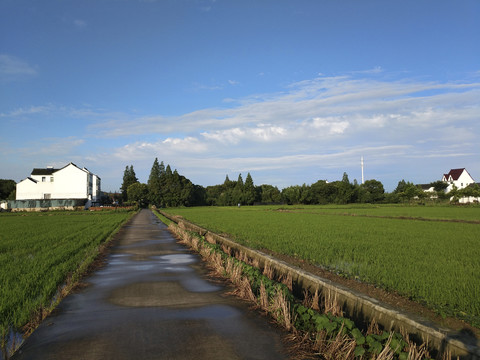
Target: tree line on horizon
column 167, row 188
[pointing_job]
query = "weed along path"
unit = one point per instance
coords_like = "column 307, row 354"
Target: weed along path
column 152, row 301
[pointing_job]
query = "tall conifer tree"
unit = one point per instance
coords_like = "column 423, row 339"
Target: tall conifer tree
column 249, row 190
column 155, row 184
column 129, row 178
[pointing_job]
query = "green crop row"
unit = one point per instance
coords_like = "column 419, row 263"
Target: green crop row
column 433, row 262
column 37, row 253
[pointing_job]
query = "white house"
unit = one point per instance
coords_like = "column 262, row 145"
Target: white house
column 69, row 182
column 458, row 177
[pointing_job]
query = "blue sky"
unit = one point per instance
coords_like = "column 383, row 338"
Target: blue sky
column 290, row 91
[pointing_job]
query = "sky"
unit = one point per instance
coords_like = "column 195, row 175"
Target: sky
column 290, row 91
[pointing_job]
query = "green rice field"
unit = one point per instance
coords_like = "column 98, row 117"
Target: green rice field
column 39, row 250
column 429, row 254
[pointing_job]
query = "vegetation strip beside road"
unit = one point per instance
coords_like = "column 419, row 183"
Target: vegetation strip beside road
column 434, row 263
column 43, row 255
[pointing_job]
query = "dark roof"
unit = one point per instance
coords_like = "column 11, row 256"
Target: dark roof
column 47, row 171
column 454, row 173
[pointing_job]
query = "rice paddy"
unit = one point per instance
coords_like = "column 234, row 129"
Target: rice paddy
column 38, row 251
column 428, row 254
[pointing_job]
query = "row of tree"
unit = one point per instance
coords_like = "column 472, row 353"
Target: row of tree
column 7, row 189
column 163, row 189
column 166, row 188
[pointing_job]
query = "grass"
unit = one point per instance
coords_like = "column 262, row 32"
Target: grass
column 433, row 262
column 38, row 251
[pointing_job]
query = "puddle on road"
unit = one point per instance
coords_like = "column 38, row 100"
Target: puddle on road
column 161, row 240
column 164, row 294
column 177, row 259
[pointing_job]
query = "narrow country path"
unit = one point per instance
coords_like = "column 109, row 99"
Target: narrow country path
column 152, row 301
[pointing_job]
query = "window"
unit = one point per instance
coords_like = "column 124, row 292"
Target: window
column 51, row 178
column 47, row 196
column 44, row 179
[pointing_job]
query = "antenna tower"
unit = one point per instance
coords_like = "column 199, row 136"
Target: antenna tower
column 361, row 161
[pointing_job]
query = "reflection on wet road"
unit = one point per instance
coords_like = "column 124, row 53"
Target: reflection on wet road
column 152, row 301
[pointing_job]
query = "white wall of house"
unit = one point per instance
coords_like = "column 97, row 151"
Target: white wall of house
column 70, row 182
column 462, row 182
column 468, row 200
column 28, row 190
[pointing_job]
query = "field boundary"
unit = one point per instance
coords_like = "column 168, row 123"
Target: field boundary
column 357, row 306
column 477, row 222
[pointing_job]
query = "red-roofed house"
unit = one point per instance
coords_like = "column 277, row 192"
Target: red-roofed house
column 458, row 177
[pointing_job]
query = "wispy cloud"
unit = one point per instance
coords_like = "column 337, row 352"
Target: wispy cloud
column 318, row 126
column 327, row 122
column 80, row 23
column 52, row 147
column 324, row 107
column 14, row 68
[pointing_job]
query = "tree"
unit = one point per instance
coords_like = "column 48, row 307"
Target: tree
column 237, row 193
column 344, row 190
column 249, row 190
column 138, row 193
column 371, row 191
column 410, row 191
column 401, row 186
column 291, row 194
column 323, row 192
column 7, row 189
column 269, row 194
column 155, row 183
column 129, row 178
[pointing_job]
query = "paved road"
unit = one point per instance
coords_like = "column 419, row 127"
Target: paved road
column 152, row 301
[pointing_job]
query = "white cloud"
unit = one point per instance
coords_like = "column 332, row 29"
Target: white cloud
column 14, row 68
column 318, row 127
column 144, row 150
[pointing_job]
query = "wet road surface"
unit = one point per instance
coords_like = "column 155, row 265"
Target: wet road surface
column 152, row 301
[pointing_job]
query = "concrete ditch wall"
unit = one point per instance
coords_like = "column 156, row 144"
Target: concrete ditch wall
column 357, row 306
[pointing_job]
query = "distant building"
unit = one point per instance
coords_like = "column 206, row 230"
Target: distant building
column 69, row 182
column 458, row 177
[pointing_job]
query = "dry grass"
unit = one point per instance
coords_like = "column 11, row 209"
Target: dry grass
column 282, row 309
column 331, row 305
column 287, row 281
column 263, row 299
column 244, row 290
column 227, row 249
column 373, row 328
column 311, row 301
column 268, row 272
column 340, row 347
column 416, row 352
